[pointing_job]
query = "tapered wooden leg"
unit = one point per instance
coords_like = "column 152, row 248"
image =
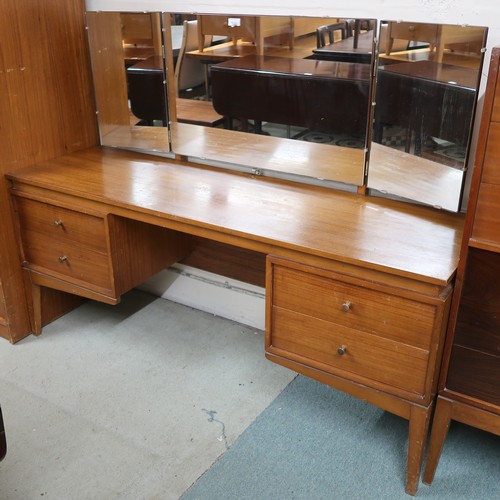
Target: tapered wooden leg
column 440, row 427
column 34, row 302
column 419, row 425
column 37, row 309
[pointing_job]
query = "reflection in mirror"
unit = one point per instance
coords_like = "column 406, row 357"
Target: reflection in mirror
column 129, row 79
column 288, row 94
column 426, row 92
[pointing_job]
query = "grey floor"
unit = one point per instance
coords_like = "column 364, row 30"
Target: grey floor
column 134, row 401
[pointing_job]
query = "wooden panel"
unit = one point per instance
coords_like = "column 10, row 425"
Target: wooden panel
column 486, row 225
column 495, row 116
column 110, row 82
column 218, row 25
column 478, row 322
column 475, row 374
column 314, row 342
column 3, row 308
column 491, row 166
column 386, row 314
column 56, row 303
column 226, row 260
column 136, row 25
column 141, row 250
column 46, row 110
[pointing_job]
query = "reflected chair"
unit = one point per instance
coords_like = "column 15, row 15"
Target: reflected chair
column 329, row 30
column 190, row 72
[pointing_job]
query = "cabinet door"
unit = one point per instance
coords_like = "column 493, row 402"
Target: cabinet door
column 475, row 357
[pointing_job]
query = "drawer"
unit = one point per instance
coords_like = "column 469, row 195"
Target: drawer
column 218, row 25
column 385, row 314
column 56, row 223
column 345, row 351
column 474, row 374
column 67, row 259
column 414, row 31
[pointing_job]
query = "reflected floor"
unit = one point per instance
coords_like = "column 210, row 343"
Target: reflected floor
column 432, row 148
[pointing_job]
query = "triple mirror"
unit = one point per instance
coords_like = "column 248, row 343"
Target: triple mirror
column 294, row 97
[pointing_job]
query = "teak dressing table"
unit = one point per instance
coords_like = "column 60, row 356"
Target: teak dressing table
column 358, row 288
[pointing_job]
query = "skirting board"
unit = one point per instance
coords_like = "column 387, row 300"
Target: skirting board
column 211, row 293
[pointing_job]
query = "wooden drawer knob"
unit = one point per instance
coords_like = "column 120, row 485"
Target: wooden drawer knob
column 346, row 306
column 341, row 350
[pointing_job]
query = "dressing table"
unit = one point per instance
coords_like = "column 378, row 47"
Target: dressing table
column 358, row 288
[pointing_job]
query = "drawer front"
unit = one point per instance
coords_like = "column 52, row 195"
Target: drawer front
column 218, row 25
column 474, row 374
column 57, row 223
column 344, row 351
column 67, row 259
column 383, row 314
column 414, row 31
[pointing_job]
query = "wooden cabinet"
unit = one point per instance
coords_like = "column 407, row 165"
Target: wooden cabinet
column 87, row 252
column 251, row 28
column 375, row 340
column 413, row 32
column 470, row 378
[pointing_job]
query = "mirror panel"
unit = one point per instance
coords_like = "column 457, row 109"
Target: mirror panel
column 126, row 52
column 426, row 91
column 272, row 94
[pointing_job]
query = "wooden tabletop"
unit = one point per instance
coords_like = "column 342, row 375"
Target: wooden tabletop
column 436, row 72
column 414, row 178
column 297, row 67
column 365, row 45
column 302, row 47
column 258, row 213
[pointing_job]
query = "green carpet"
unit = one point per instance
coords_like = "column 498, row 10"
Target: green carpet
column 316, row 443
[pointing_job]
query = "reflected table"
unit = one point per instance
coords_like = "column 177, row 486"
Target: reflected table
column 428, row 99
column 323, row 96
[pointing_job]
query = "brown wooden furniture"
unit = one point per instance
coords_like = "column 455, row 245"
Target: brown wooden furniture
column 415, row 32
column 377, row 270
column 470, row 378
column 57, row 118
column 428, row 99
column 252, row 28
column 141, row 36
column 147, row 94
column 344, row 50
column 323, row 96
column 261, row 153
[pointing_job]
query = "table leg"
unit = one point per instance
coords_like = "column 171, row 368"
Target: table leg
column 419, row 425
column 37, row 309
column 440, row 427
